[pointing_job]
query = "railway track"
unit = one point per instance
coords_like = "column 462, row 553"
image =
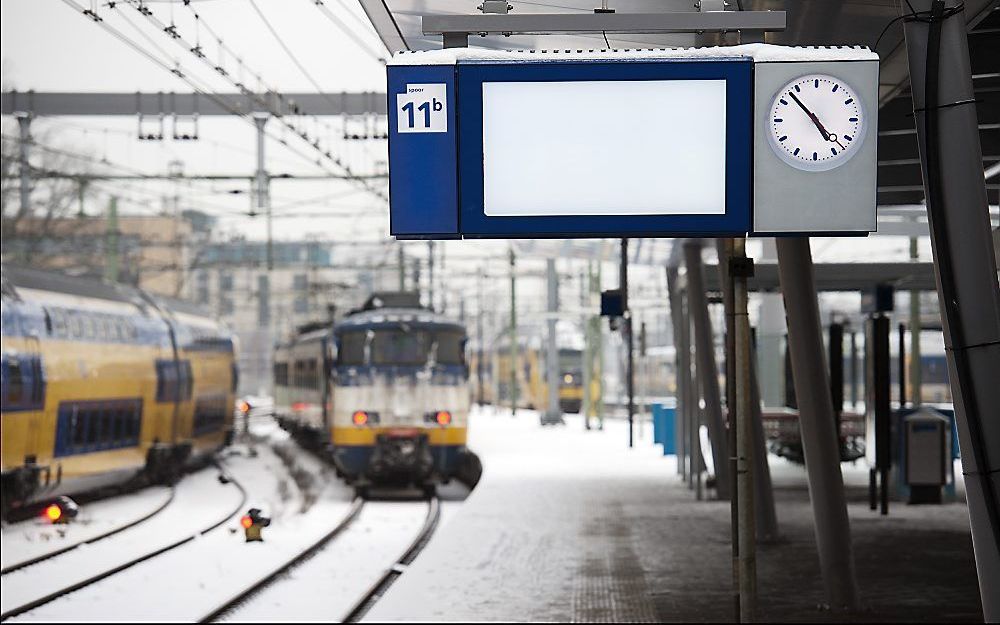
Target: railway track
column 259, row 586
column 93, row 579
column 391, row 574
column 89, row 541
column 370, row 596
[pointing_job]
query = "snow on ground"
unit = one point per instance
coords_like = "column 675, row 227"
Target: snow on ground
column 328, row 585
column 199, row 500
column 515, row 548
column 189, row 582
column 36, row 537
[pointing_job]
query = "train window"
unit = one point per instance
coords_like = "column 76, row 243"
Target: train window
column 281, row 373
column 185, row 380
column 451, row 347
column 132, row 424
column 75, row 326
column 59, row 323
column 108, row 331
column 107, row 425
column 79, row 426
column 398, row 347
column 15, row 382
column 118, row 430
column 352, row 348
column 93, row 427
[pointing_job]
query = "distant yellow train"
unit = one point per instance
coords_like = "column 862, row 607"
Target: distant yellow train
column 532, row 386
column 104, row 383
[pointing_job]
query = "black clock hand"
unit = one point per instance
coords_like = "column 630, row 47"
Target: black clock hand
column 815, row 120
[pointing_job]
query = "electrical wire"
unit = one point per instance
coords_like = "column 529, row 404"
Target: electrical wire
column 378, row 56
column 314, row 143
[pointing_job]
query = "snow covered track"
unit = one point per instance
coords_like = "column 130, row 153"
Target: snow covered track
column 89, row 541
column 399, row 567
column 268, row 579
column 26, row 581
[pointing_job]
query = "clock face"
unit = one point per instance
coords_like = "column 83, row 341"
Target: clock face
column 816, row 123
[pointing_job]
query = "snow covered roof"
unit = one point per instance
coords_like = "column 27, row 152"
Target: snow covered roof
column 758, row 52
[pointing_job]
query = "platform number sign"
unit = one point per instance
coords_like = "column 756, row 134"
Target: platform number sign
column 423, row 108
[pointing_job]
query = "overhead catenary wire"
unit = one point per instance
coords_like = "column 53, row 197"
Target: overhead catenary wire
column 178, row 71
column 325, row 10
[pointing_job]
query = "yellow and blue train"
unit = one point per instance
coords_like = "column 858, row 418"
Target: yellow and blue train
column 384, row 393
column 531, row 374
column 103, row 384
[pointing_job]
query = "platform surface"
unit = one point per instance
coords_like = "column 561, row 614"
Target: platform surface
column 571, row 525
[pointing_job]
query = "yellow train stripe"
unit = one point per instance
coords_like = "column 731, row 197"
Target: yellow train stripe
column 366, row 435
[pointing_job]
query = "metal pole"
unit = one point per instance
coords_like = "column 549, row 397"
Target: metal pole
column 680, row 361
column 705, row 364
column 836, row 349
column 744, row 436
column 480, row 312
column 402, row 271
column 111, row 252
column 902, row 365
column 513, row 335
column 599, row 360
column 697, row 461
column 430, row 275
column 965, row 263
column 24, row 125
column 854, row 369
column 553, row 413
column 586, row 288
column 770, row 338
column 627, row 337
column 916, row 374
column 766, row 516
column 263, row 182
column 724, row 249
column 819, row 439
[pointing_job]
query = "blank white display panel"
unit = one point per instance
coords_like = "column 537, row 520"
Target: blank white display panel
column 604, row 148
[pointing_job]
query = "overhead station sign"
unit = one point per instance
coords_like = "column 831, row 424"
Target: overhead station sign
column 532, row 144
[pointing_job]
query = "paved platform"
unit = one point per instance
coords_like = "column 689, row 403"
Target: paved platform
column 571, row 525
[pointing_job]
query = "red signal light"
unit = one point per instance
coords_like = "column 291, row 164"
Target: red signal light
column 53, row 513
column 360, row 417
column 299, row 406
column 443, row 417
column 244, row 407
column 246, row 521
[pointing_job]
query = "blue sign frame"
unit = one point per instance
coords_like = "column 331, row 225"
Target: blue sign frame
column 436, row 179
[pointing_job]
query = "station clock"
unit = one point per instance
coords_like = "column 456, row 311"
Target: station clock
column 816, row 122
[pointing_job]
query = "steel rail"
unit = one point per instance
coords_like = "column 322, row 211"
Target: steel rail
column 378, row 590
column 36, row 603
column 301, row 557
column 93, row 539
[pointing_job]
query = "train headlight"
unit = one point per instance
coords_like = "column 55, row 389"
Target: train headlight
column 568, row 378
column 443, row 417
column 359, row 418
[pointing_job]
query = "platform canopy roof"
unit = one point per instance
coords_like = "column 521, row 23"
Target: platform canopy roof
column 809, row 22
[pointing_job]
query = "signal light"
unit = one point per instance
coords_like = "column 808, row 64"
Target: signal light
column 53, row 512
column 246, row 521
column 244, row 407
column 360, row 417
column 443, row 417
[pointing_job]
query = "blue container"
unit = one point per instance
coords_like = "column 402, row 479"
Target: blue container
column 663, row 428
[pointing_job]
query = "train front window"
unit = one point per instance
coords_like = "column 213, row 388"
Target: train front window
column 401, row 346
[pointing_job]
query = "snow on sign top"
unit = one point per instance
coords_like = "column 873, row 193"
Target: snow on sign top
column 759, row 52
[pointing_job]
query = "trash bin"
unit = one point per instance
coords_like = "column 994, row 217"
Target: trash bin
column 663, row 428
column 927, row 452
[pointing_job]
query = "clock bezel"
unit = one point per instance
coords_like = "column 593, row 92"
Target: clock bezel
column 815, row 166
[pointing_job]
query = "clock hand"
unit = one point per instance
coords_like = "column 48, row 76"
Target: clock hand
column 815, row 120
